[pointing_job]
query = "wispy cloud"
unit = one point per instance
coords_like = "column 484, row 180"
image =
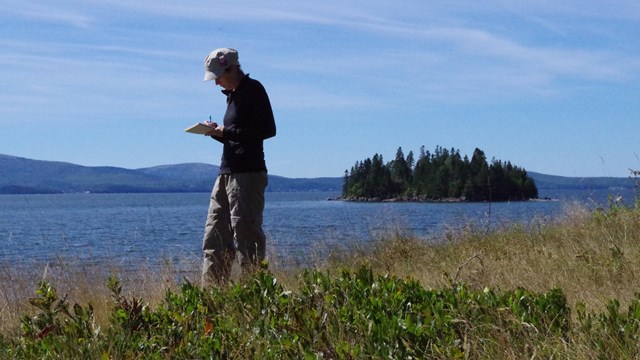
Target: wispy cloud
column 46, row 12
column 595, row 64
column 627, row 10
column 430, row 54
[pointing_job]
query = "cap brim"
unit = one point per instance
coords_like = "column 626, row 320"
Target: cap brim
column 208, row 76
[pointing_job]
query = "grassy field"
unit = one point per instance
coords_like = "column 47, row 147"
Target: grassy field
column 556, row 289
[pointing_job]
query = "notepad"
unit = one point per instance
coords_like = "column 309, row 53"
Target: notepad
column 199, row 128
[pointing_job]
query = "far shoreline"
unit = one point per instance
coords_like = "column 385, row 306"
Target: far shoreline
column 426, row 200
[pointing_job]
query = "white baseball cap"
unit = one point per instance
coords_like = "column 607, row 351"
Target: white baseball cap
column 218, row 61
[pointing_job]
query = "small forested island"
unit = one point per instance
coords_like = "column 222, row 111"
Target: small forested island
column 443, row 175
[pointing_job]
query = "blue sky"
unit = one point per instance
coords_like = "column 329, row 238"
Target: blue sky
column 550, row 86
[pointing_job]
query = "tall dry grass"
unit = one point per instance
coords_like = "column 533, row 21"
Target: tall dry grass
column 592, row 256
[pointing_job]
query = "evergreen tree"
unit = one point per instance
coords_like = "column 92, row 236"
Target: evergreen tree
column 410, row 161
column 400, row 172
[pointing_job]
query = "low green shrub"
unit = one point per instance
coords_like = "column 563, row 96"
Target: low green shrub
column 349, row 316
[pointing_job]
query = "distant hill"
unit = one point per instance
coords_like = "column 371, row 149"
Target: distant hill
column 34, row 176
column 26, row 176
column 201, row 176
column 553, row 182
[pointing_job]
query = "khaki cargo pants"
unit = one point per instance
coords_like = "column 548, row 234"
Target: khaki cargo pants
column 234, row 217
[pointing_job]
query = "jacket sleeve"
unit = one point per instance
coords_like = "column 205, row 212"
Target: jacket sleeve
column 217, row 139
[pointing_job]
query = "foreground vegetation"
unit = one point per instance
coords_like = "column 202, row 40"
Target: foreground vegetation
column 565, row 289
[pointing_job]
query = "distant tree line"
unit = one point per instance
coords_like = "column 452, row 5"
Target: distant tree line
column 443, row 174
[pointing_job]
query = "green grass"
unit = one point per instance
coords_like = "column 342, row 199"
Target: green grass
column 562, row 289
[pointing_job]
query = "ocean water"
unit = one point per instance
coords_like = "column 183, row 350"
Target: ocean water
column 129, row 231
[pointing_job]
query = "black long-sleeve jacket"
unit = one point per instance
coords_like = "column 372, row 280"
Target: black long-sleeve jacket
column 247, row 122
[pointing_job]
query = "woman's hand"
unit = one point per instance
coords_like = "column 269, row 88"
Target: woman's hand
column 217, row 130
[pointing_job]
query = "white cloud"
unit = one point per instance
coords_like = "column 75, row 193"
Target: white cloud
column 609, row 10
column 45, row 12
